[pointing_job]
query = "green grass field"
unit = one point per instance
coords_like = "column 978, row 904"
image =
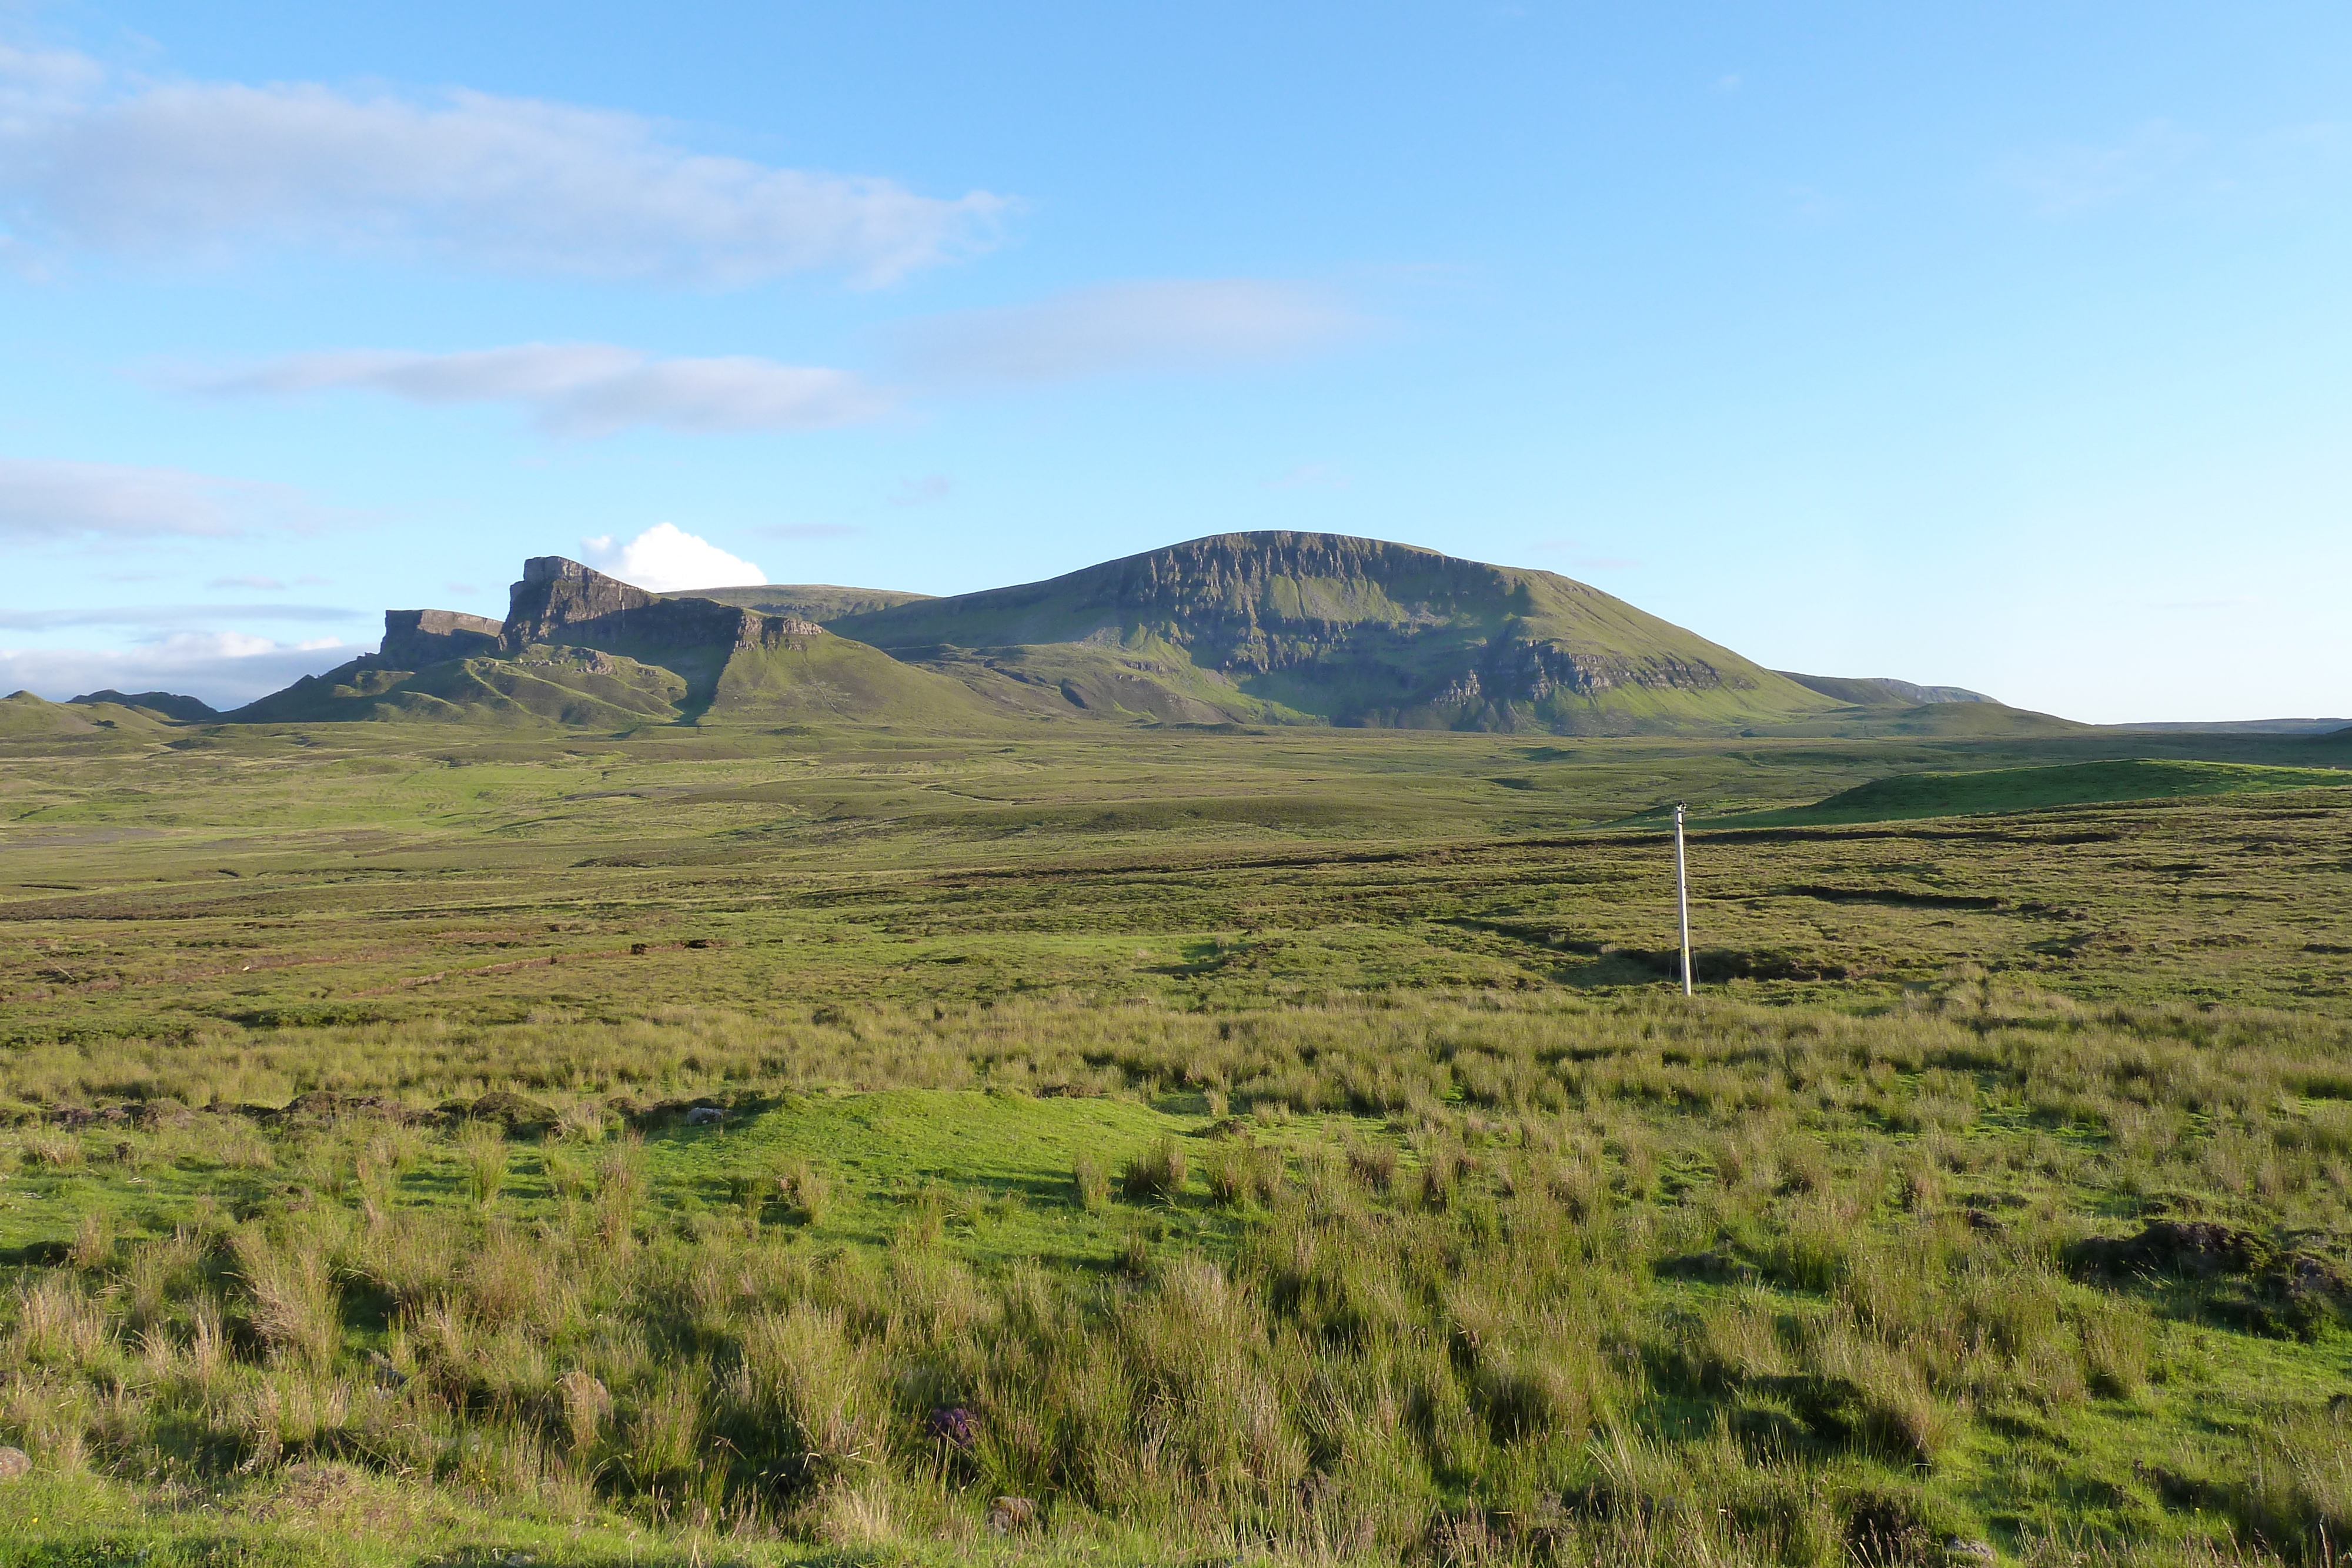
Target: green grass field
column 1934, row 794
column 453, row 1146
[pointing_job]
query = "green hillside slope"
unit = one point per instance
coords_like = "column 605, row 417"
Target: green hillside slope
column 24, row 716
column 813, row 679
column 1913, row 795
column 168, row 706
column 1883, row 691
column 579, row 687
column 819, row 601
column 1327, row 628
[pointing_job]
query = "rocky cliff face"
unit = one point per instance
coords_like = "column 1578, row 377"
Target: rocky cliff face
column 562, row 602
column 416, row 638
column 1358, row 630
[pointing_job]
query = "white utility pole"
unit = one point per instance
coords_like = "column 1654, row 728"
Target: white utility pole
column 1682, row 896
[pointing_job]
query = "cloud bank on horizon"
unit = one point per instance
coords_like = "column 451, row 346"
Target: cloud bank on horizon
column 226, row 669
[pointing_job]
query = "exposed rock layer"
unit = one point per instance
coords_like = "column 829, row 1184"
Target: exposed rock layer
column 1364, row 631
column 560, row 600
column 416, row 638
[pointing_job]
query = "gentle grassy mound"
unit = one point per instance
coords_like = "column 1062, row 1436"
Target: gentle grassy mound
column 1910, row 795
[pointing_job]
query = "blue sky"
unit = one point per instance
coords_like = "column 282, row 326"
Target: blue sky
column 1999, row 345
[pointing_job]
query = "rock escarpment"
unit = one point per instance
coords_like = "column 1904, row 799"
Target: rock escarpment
column 1362, row 632
column 560, row 600
column 583, row 650
column 416, row 638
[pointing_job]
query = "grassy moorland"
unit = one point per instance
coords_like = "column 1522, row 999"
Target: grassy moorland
column 427, row 1145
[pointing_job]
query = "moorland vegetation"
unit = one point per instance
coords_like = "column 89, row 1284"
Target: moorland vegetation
column 1113, row 1141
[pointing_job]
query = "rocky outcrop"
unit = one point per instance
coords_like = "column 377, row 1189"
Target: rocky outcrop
column 416, row 638
column 562, row 602
column 1357, row 630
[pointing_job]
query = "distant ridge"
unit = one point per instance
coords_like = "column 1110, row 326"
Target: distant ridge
column 1258, row 628
column 2249, row 727
column 1884, row 691
column 167, row 704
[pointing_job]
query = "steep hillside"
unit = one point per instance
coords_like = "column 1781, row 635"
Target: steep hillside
column 1327, row 628
column 580, row 688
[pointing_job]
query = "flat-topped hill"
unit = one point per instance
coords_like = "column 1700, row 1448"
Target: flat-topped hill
column 1325, row 627
column 1254, row 628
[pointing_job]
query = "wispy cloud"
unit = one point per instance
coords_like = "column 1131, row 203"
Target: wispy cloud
column 173, row 169
column 928, row 491
column 582, row 389
column 264, row 584
column 2159, row 159
column 43, row 499
column 666, row 557
column 226, row 669
column 1306, row 475
column 161, row 619
column 1174, row 324
column 2074, row 176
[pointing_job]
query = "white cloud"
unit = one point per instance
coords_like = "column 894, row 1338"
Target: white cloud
column 226, row 669
column 175, row 169
column 45, row 500
column 1173, row 324
column 666, row 557
column 586, row 389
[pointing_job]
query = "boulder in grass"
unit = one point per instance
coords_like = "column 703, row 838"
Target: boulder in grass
column 705, row 1115
column 1008, row 1514
column 14, row 1463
